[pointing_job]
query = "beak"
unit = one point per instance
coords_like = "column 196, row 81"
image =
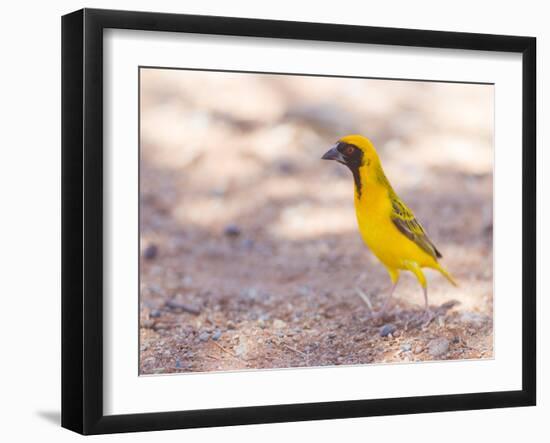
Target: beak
column 333, row 154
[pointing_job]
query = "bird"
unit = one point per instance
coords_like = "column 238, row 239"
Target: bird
column 386, row 224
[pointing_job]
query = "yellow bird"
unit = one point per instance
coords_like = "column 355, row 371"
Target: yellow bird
column 387, row 226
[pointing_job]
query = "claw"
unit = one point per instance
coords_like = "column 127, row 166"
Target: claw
column 428, row 317
column 381, row 314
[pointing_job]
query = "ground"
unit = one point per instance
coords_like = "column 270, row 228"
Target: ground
column 250, row 255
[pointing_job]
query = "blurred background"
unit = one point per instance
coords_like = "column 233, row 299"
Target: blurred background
column 250, row 254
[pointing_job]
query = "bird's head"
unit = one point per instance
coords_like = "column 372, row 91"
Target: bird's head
column 354, row 151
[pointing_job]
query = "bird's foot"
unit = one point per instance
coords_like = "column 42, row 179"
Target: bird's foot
column 427, row 317
column 382, row 315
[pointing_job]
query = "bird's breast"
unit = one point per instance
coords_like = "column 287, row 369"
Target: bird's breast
column 378, row 230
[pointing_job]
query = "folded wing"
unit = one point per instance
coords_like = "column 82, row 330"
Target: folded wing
column 405, row 221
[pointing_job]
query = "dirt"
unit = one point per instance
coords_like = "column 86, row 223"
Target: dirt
column 251, row 256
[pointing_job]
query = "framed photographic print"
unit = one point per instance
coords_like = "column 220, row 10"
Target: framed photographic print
column 269, row 221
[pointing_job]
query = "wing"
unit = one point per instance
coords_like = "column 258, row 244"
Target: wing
column 404, row 220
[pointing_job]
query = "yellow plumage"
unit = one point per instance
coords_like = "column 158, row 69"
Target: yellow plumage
column 387, row 226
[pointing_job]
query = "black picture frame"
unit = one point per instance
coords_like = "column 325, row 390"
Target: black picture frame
column 82, row 220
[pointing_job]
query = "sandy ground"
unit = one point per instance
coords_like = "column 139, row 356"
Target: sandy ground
column 251, row 256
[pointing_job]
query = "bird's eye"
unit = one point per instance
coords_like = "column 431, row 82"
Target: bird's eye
column 349, row 150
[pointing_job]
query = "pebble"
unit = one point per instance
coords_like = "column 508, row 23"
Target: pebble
column 418, row 349
column 232, row 230
column 279, row 324
column 247, row 243
column 150, row 252
column 204, row 336
column 187, row 281
column 217, row 334
column 286, row 167
column 241, row 349
column 387, row 329
column 438, row 347
column 406, row 347
column 155, row 313
column 475, row 320
column 230, row 325
column 218, row 192
column 174, row 304
column 250, row 293
column 178, row 364
column 147, row 323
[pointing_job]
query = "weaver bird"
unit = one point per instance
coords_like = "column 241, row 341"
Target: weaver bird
column 387, row 226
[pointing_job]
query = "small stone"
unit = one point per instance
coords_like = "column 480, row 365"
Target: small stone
column 279, row 324
column 204, row 336
column 250, row 293
column 178, row 364
column 406, row 347
column 473, row 319
column 176, row 305
column 241, row 349
column 418, row 349
column 438, row 347
column 387, row 329
column 147, row 324
column 150, row 252
column 247, row 243
column 286, row 167
column 155, row 313
column 232, row 230
column 187, row 281
column 216, row 335
column 230, row 325
column 218, row 192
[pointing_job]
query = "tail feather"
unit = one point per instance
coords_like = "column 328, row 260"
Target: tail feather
column 446, row 274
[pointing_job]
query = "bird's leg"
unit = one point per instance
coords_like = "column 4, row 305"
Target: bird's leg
column 394, row 275
column 428, row 314
column 388, row 298
column 417, row 271
column 425, row 290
